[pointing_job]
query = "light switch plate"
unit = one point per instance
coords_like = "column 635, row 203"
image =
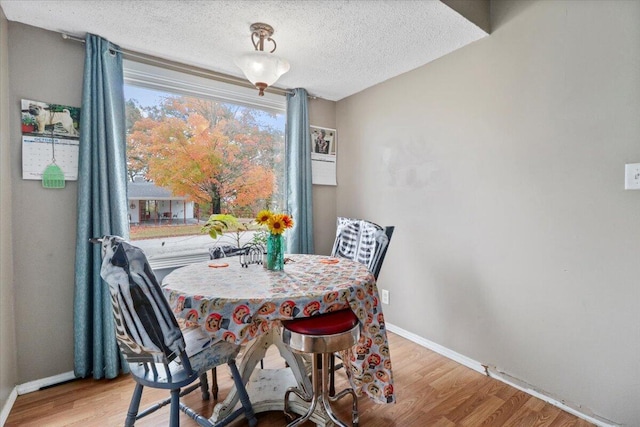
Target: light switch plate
column 632, row 176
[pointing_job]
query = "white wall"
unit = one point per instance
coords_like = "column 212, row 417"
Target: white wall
column 501, row 166
column 8, row 364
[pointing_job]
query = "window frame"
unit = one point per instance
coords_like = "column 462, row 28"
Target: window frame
column 188, row 83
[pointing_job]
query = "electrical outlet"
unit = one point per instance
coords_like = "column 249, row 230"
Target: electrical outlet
column 385, row 296
column 632, row 176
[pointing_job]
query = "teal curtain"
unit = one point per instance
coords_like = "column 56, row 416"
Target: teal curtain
column 102, row 205
column 298, row 161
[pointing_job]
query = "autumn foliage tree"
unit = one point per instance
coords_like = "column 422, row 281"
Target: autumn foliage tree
column 137, row 157
column 216, row 154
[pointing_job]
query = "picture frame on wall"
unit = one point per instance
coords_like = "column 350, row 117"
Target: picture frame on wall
column 324, row 147
column 323, row 140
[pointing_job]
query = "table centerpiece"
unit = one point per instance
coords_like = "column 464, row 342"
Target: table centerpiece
column 276, row 224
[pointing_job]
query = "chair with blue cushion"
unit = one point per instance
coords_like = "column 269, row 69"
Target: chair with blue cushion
column 157, row 351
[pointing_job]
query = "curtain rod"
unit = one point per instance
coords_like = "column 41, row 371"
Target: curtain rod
column 127, row 54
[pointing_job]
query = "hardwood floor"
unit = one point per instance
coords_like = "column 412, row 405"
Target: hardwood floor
column 431, row 391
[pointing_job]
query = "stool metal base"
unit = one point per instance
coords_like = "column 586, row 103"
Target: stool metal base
column 320, row 393
column 321, row 396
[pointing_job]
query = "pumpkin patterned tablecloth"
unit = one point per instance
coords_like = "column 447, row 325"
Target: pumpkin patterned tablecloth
column 238, row 304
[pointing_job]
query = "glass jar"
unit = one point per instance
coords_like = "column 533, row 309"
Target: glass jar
column 275, row 252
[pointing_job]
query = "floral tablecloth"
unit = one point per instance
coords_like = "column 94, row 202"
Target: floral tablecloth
column 238, row 304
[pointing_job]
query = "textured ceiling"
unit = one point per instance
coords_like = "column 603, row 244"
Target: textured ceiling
column 336, row 48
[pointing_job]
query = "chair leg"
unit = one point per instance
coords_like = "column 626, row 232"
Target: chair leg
column 214, row 383
column 174, row 412
column 242, row 393
column 134, row 406
column 204, row 386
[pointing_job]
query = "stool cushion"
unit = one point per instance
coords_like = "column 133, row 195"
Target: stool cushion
column 323, row 324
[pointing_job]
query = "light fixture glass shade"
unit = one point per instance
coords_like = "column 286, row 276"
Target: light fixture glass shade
column 262, row 68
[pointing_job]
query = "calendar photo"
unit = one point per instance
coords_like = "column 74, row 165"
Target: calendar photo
column 50, row 134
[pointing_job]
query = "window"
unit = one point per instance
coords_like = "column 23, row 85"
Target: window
column 196, row 146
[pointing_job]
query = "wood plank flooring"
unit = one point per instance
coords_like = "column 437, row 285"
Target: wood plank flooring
column 431, row 391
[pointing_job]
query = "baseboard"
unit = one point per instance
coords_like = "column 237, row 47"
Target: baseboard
column 44, row 382
column 6, row 408
column 493, row 372
column 450, row 354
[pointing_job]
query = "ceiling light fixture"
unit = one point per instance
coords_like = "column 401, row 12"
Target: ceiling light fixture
column 262, row 68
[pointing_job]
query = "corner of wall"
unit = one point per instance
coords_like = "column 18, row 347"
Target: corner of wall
column 7, row 405
column 476, row 11
column 8, row 359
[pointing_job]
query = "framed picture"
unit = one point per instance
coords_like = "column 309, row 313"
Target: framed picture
column 323, row 155
column 323, row 140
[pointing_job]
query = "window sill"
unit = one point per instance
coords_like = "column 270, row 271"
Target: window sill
column 174, row 260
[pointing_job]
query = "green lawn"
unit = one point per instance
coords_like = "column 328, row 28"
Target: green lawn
column 140, row 232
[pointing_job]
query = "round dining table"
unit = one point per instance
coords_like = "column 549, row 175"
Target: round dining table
column 245, row 305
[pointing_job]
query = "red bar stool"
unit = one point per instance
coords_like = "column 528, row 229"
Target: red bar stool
column 322, row 336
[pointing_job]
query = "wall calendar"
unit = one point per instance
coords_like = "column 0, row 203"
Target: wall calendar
column 49, row 135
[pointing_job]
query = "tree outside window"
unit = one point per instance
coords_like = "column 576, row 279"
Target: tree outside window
column 226, row 158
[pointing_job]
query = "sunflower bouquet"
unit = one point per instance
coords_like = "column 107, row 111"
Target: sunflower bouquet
column 276, row 224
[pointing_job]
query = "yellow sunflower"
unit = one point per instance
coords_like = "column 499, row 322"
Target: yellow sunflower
column 277, row 224
column 263, row 217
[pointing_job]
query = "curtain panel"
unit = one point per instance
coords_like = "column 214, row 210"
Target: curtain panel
column 298, row 174
column 102, row 206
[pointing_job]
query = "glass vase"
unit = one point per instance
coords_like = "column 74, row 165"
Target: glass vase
column 275, row 252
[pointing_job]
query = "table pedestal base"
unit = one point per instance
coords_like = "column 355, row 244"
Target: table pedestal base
column 266, row 387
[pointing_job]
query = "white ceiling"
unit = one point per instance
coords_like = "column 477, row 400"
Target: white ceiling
column 336, row 48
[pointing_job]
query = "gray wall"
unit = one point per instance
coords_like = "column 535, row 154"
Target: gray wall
column 43, row 67
column 8, row 367
column 501, row 166
column 322, row 113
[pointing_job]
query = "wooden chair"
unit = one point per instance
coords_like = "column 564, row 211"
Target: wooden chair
column 157, row 351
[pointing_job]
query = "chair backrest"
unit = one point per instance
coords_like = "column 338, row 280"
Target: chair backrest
column 362, row 241
column 146, row 329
